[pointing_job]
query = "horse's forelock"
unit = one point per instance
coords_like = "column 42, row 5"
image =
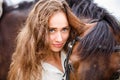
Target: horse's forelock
column 82, row 7
column 99, row 41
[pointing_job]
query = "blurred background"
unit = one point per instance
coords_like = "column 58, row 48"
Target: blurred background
column 113, row 6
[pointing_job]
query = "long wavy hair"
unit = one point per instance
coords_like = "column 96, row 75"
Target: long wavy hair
column 32, row 41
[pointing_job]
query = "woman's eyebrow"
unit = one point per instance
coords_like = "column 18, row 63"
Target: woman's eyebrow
column 53, row 27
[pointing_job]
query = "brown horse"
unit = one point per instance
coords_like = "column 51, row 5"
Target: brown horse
column 96, row 53
column 11, row 21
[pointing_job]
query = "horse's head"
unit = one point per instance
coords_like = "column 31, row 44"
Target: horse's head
column 96, row 51
column 95, row 54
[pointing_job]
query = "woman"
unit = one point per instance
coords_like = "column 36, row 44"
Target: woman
column 42, row 43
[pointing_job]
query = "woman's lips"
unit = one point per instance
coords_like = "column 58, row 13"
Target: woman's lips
column 58, row 45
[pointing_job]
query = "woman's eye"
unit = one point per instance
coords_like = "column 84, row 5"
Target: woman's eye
column 65, row 29
column 51, row 30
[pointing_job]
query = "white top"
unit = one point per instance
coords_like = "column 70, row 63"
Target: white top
column 50, row 72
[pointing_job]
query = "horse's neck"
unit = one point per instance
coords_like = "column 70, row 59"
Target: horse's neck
column 89, row 67
column 115, row 61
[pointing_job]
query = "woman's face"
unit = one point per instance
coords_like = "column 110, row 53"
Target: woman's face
column 58, row 31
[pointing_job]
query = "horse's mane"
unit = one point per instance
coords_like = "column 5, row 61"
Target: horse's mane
column 99, row 41
column 101, row 38
column 71, row 2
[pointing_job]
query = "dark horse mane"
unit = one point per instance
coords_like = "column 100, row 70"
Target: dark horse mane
column 100, row 41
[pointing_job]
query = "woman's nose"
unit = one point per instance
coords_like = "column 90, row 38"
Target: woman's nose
column 59, row 37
